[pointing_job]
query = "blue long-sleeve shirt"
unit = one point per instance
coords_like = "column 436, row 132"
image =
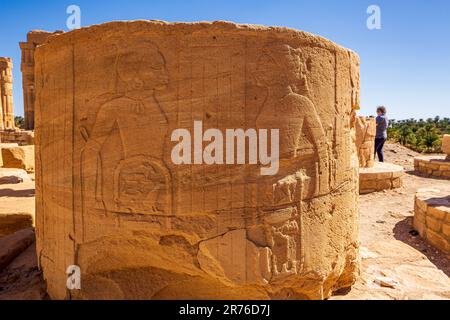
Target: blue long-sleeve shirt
column 382, row 125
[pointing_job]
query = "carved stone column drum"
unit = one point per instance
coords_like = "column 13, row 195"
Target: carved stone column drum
column 365, row 140
column 112, row 200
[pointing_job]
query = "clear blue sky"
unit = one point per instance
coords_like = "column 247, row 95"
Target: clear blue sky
column 405, row 65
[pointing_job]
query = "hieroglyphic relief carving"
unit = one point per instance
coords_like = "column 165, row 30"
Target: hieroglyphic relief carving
column 281, row 70
column 141, row 179
column 152, row 229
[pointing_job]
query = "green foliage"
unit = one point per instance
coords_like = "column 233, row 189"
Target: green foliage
column 420, row 135
column 19, row 122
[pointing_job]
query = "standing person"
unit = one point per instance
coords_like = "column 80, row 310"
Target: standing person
column 381, row 135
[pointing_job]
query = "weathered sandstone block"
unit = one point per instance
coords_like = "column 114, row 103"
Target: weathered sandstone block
column 365, row 140
column 432, row 217
column 111, row 200
column 21, row 157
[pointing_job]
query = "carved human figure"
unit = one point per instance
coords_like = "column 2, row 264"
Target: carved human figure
column 288, row 107
column 281, row 70
column 141, row 180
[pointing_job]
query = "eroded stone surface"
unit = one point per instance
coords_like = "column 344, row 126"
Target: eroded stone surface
column 365, row 140
column 432, row 217
column 20, row 157
column 141, row 227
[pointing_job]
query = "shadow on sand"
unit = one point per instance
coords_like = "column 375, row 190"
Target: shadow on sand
column 17, row 193
column 404, row 232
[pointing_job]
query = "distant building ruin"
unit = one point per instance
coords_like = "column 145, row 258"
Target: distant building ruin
column 6, row 94
column 34, row 39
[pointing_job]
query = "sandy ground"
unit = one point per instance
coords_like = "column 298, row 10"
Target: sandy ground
column 396, row 263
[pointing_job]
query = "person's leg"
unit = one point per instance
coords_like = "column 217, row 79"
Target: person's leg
column 377, row 144
column 380, row 150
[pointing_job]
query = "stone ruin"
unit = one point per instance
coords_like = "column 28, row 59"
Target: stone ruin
column 373, row 176
column 6, row 94
column 17, row 145
column 10, row 155
column 34, row 39
column 432, row 206
column 111, row 201
column 437, row 166
column 365, row 140
column 432, row 217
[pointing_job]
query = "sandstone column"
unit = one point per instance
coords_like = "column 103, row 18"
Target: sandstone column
column 6, row 93
column 111, row 200
column 365, row 140
column 34, row 38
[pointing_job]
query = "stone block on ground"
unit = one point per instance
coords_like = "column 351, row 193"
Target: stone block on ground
column 432, row 217
column 382, row 176
column 21, row 157
column 433, row 166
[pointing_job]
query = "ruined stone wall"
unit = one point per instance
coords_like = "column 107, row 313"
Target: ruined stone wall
column 446, row 146
column 111, row 200
column 432, row 217
column 6, row 94
column 21, row 137
column 34, row 38
column 365, row 140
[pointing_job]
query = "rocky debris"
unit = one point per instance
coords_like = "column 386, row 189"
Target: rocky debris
column 13, row 245
column 397, row 271
column 11, row 176
column 386, row 282
column 21, row 279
